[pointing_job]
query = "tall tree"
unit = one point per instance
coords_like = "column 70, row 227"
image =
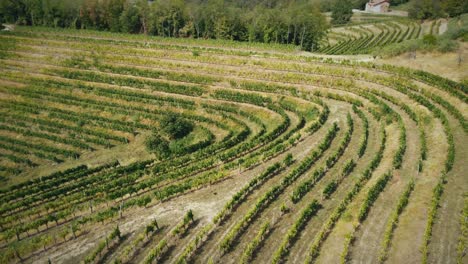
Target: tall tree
column 342, row 11
column 423, row 9
column 112, row 11
column 455, row 7
column 277, row 21
column 129, row 20
column 143, row 12
column 311, row 26
column 34, row 9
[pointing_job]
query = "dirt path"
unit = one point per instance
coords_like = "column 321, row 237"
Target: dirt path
column 333, row 246
column 284, row 222
column 205, row 203
column 330, row 250
column 409, row 234
column 300, row 250
column 366, row 248
column 443, row 247
column 211, row 248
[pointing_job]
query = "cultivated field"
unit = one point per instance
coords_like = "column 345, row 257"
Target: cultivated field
column 291, row 159
column 370, row 35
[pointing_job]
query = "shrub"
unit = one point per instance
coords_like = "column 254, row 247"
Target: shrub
column 399, row 48
column 342, row 12
column 447, row 45
column 289, row 159
column 157, row 144
column 429, row 39
column 176, row 127
column 329, row 189
column 255, row 243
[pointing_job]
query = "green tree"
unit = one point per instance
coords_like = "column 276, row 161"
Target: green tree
column 455, row 7
column 424, row 9
column 89, row 14
column 189, row 216
column 314, row 28
column 75, row 228
column 289, row 159
column 116, row 233
column 429, row 39
column 143, row 13
column 11, row 11
column 167, row 18
column 176, row 127
column 342, row 11
column 276, row 21
column 34, row 10
column 129, row 20
column 112, row 12
column 157, row 144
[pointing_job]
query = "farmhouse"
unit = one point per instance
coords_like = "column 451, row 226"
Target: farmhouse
column 378, row 6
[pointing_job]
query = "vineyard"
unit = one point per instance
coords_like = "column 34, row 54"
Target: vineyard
column 370, row 35
column 119, row 148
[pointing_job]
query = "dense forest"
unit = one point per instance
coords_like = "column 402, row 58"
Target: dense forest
column 424, row 9
column 291, row 22
column 298, row 22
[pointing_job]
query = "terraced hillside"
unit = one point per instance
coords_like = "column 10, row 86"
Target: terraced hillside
column 290, row 158
column 365, row 37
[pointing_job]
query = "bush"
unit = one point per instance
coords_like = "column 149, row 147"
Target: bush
column 398, row 48
column 429, row 39
column 288, row 160
column 457, row 28
column 342, row 11
column 157, row 144
column 447, row 45
column 176, row 127
column 443, row 43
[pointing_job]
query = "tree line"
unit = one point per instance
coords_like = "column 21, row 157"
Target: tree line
column 298, row 22
column 424, row 9
column 287, row 22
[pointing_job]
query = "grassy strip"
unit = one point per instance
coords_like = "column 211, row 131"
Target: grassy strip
column 275, row 191
column 307, row 185
column 367, row 175
column 463, row 238
column 105, row 244
column 242, row 194
column 393, row 221
column 194, row 244
column 253, row 246
column 160, row 249
column 398, row 158
column 295, row 230
column 365, row 135
column 436, row 195
column 372, row 195
column 139, row 242
column 326, row 229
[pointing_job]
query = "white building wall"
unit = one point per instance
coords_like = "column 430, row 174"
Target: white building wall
column 377, row 8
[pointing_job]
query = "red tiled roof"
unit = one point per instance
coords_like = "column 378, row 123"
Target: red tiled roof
column 381, row 2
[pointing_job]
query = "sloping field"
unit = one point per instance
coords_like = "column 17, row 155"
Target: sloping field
column 291, row 159
column 366, row 37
